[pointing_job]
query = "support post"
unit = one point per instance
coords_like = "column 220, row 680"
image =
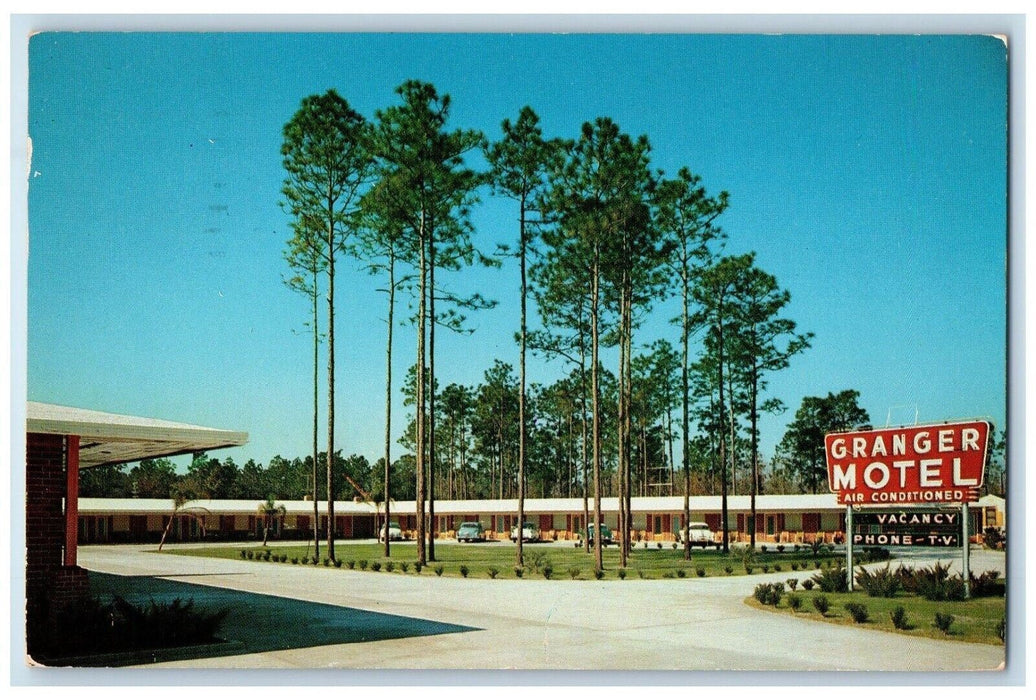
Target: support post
column 849, row 544
column 71, row 498
column 965, row 548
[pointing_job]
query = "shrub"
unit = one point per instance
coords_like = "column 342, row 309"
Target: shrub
column 762, row 549
column 622, row 574
column 375, row 566
column 519, row 571
column 244, row 554
column 338, row 563
column 351, row 564
column 935, row 583
column 417, row 567
column 668, row 574
column 363, row 564
column 294, row 560
column 682, row 573
column 390, row 566
column 493, row 572
column 266, row 555
column 794, row 601
column 674, row 545
column 284, row 558
column 536, row 561
column 808, row 584
column 729, row 569
column 1001, row 629
column 873, row 554
column 794, row 566
column 793, row 583
column 404, row 567
column 660, row 545
column 547, row 570
column 314, row 561
column 598, row 574
column 577, row 544
column 438, row 570
column 899, row 618
column 795, row 548
column 880, row 583
column 833, row 580
column 777, row 567
column 769, row 593
column 463, row 571
column 251, row 554
column 327, row 562
column 749, row 568
column 857, row 611
column 987, row 585
column 816, row 563
column 574, row 572
column 700, row 571
column 766, row 568
column 640, row 574
column 821, row 603
column 780, row 548
column 943, row 622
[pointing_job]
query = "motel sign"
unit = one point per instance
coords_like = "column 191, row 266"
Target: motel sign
column 916, row 465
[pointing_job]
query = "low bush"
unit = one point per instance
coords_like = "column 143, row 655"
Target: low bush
column 439, row 569
column 777, row 567
column 390, row 566
column 943, row 622
column 547, row 571
column 1001, row 629
column 266, row 555
column 769, row 593
column 362, row 564
column 493, row 572
column 573, row 572
column 622, row 574
column 762, row 548
column 700, row 571
column 251, row 554
column 314, row 561
column 766, row 568
column 794, row 566
column 879, row 583
column 832, row 580
column 294, row 560
column 90, row 626
column 857, row 611
column 351, row 564
column 899, row 618
column 793, row 583
column 463, row 571
column 682, row 573
column 794, row 601
column 519, row 571
column 873, row 554
column 668, row 574
column 536, row 561
column 808, row 584
column 375, row 566
column 417, row 567
column 749, row 568
column 729, row 569
column 821, row 604
column 780, row 549
column 244, row 554
column 987, row 585
column 327, row 562
column 598, row 574
column 994, row 538
column 404, row 566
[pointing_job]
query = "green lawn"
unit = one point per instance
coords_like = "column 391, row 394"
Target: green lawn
column 974, row 620
column 566, row 562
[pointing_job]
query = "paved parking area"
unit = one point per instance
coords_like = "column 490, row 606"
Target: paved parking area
column 427, row 622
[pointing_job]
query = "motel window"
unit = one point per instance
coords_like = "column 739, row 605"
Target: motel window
column 658, row 525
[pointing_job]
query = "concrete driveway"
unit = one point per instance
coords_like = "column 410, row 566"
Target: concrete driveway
column 387, row 621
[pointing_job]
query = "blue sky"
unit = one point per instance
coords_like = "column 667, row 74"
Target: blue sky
column 867, row 172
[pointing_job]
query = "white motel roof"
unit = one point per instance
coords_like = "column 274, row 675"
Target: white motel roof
column 110, row 438
column 781, row 503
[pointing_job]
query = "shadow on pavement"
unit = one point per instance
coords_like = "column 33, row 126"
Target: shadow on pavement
column 260, row 623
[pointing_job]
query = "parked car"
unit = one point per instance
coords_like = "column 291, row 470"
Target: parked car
column 606, row 534
column 471, row 532
column 701, row 535
column 530, row 533
column 394, row 532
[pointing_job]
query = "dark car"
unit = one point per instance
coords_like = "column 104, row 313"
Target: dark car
column 606, row 534
column 471, row 532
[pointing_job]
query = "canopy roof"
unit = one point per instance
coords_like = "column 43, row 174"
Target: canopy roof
column 110, row 438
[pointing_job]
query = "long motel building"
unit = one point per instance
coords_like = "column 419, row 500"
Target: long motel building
column 802, row 518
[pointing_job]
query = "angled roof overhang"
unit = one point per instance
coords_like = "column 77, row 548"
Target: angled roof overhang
column 110, row 438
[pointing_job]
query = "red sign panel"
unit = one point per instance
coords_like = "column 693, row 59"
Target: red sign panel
column 919, row 464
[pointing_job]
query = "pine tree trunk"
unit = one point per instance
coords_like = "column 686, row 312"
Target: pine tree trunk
column 388, row 396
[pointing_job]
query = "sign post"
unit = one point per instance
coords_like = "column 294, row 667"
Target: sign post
column 965, row 543
column 849, row 544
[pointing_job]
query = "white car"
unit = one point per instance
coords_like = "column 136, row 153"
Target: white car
column 394, row 532
column 701, row 535
column 530, row 533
